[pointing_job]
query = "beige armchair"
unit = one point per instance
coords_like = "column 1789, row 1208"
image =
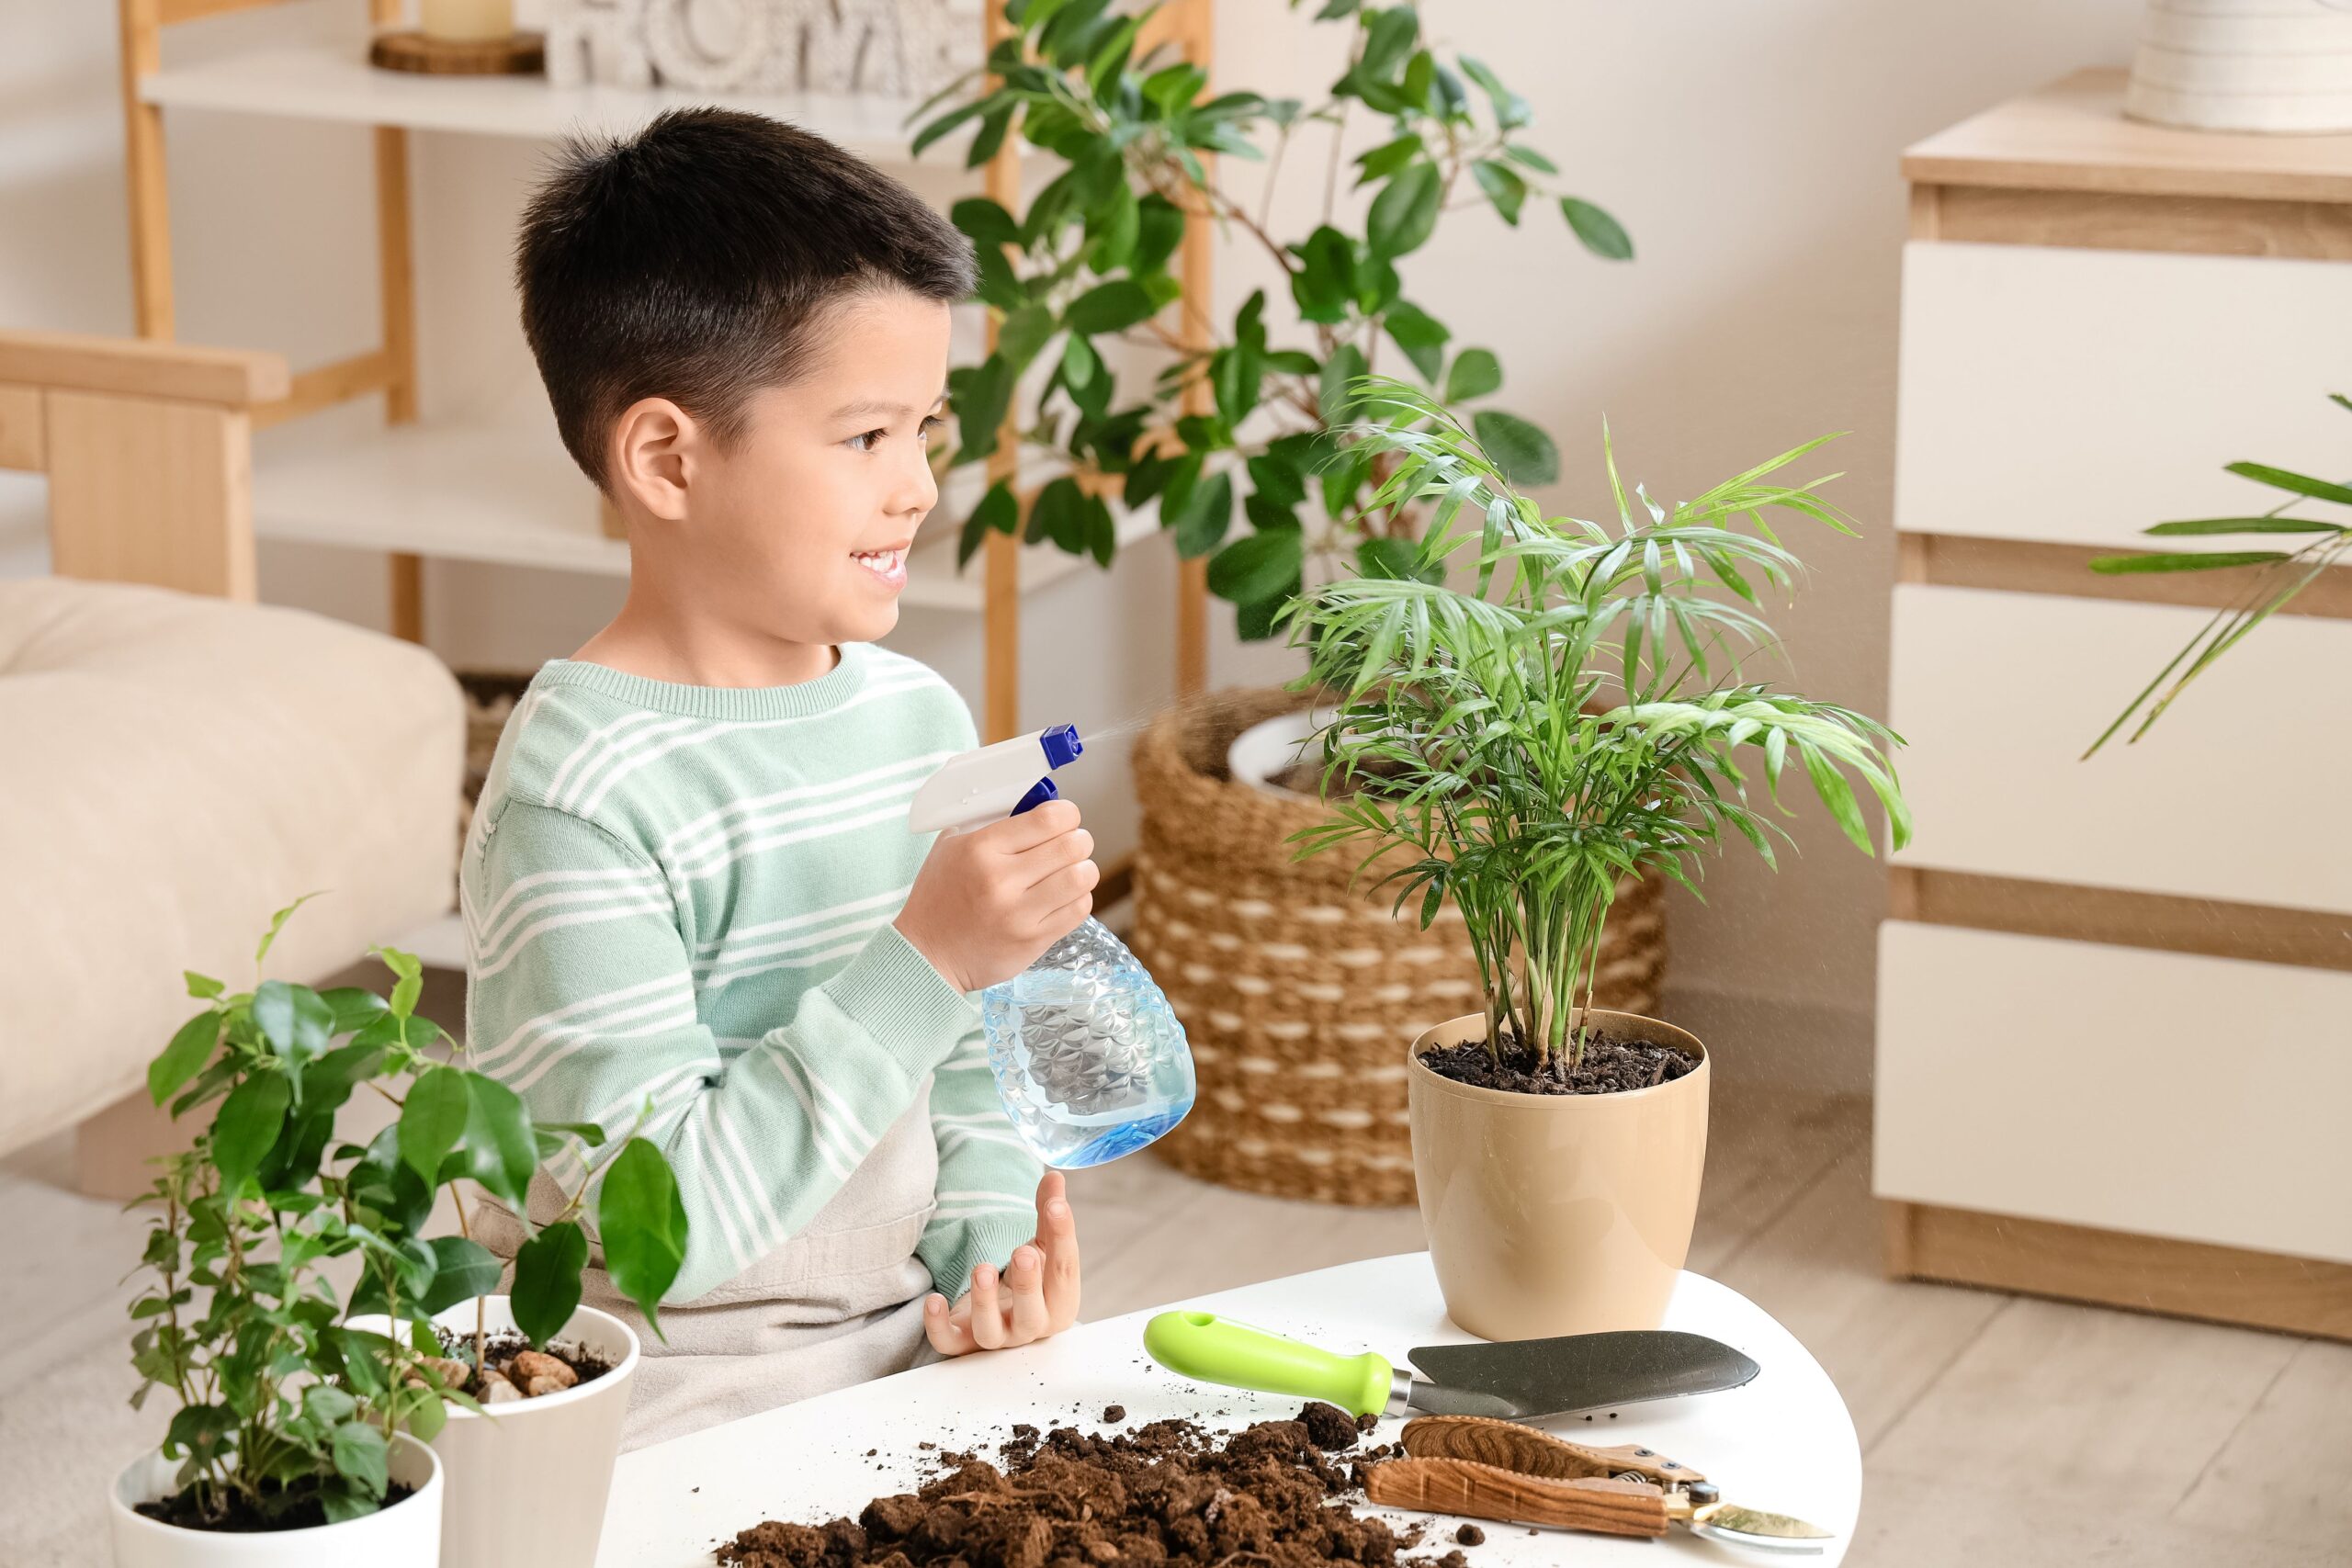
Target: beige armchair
column 176, row 760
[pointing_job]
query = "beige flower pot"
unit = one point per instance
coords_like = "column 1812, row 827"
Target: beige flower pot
column 1558, row 1213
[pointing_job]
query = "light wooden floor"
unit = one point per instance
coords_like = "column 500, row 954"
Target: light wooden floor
column 1995, row 1430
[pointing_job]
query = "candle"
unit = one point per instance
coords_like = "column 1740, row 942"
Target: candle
column 467, row 21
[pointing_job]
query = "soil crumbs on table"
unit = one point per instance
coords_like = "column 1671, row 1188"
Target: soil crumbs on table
column 1169, row 1495
column 1608, row 1066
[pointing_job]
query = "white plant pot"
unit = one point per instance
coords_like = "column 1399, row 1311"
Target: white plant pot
column 406, row 1535
column 2259, row 66
column 1271, row 746
column 528, row 1478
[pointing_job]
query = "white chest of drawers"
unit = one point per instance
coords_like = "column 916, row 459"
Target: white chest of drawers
column 2115, row 996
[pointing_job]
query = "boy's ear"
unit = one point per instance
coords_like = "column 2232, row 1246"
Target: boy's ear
column 657, row 447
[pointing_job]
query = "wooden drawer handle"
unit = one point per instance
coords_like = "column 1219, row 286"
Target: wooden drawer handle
column 1483, row 1492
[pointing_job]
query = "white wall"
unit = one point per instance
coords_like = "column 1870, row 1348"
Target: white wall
column 1750, row 146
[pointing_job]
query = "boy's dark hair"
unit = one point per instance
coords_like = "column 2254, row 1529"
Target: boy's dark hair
column 693, row 260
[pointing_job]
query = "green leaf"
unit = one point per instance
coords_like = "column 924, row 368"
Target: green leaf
column 295, row 1020
column 1159, row 229
column 1405, row 212
column 2201, row 525
column 642, row 1224
column 192, row 1047
column 1022, row 333
column 979, row 395
column 1115, row 225
column 1529, row 158
column 1421, row 335
column 201, row 986
column 998, row 511
column 1511, row 110
column 985, row 223
column 498, row 1145
column 1257, row 566
column 1110, row 308
column 1326, row 279
column 547, row 1280
column 328, row 1405
column 1341, row 373
column 411, row 978
column 359, row 1457
column 1060, row 515
column 944, row 124
column 1205, row 516
column 1525, row 454
column 1475, row 373
column 352, row 1006
column 1388, row 39
column 433, row 1118
column 2216, row 560
column 1256, row 622
column 277, row 923
column 1388, row 157
column 1602, row 234
column 1503, row 185
column 463, row 1270
column 1389, row 558
column 2301, row 484
column 247, row 1125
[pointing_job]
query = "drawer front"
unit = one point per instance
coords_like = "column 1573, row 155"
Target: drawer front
column 2076, row 396
column 2235, row 795
column 2200, row 1098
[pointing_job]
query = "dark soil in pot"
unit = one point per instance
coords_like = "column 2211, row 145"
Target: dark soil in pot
column 1609, row 1065
column 1166, row 1495
column 529, row 1372
column 284, row 1511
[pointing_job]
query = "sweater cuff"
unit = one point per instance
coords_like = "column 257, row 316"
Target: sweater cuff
column 906, row 1005
column 986, row 1239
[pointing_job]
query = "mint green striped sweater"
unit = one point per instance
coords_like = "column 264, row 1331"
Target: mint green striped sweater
column 681, row 895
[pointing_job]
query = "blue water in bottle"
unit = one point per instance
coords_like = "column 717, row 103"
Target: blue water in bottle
column 1089, row 1058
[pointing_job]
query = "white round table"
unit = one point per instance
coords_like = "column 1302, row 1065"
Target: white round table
column 1784, row 1442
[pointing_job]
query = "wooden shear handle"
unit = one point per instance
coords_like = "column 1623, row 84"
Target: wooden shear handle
column 1484, row 1492
column 1510, row 1446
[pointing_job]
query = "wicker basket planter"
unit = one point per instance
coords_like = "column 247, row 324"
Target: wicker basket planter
column 1296, row 991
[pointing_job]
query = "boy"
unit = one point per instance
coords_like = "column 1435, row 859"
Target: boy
column 689, row 882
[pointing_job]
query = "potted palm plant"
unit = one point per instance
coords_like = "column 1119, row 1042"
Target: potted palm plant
column 309, row 1417
column 1576, row 713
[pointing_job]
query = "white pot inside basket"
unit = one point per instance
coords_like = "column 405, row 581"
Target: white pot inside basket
column 405, row 1535
column 1268, row 748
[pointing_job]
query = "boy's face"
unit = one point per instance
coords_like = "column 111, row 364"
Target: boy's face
column 802, row 524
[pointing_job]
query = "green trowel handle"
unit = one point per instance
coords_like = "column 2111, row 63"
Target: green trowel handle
column 1209, row 1348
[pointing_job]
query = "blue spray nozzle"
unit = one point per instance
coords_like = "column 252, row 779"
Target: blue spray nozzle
column 1039, row 793
column 1062, row 745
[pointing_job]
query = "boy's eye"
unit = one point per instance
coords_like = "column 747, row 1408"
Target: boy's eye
column 867, row 441
column 930, row 423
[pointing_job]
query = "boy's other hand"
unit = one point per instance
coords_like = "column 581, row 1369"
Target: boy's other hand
column 986, row 903
column 1037, row 1295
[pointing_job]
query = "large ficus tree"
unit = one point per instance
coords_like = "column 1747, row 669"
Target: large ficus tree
column 1087, row 264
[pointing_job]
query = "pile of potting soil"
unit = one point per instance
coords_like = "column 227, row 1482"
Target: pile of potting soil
column 1166, row 1495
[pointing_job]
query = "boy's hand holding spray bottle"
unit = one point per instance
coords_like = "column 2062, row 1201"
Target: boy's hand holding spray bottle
column 1089, row 1058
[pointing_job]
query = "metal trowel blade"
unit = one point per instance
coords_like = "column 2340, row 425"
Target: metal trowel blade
column 1528, row 1379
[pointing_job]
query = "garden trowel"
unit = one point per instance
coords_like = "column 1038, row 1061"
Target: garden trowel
column 1517, row 1380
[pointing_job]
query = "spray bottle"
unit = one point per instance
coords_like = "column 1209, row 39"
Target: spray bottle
column 1087, row 1056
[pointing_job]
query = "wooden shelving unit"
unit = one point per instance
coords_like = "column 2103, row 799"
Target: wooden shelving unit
column 487, row 493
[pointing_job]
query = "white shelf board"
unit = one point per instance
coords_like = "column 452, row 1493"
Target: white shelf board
column 488, row 491
column 328, row 82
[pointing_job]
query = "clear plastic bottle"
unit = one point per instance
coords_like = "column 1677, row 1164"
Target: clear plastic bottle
column 1089, row 1058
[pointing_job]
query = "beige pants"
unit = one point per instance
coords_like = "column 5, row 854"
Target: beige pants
column 839, row 1304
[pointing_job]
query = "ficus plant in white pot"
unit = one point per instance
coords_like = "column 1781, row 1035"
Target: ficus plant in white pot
column 1537, row 710
column 307, row 1415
